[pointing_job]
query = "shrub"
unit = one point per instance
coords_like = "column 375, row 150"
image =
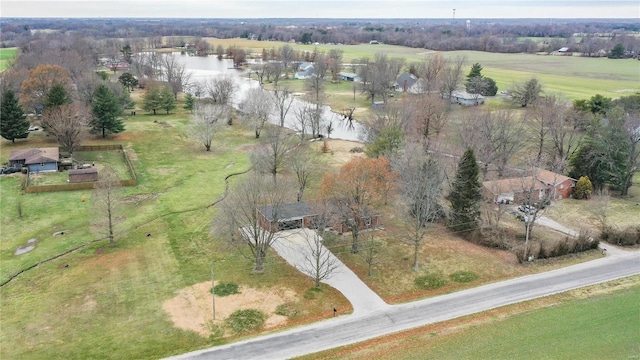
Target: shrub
column 463, row 276
column 246, row 320
column 583, row 188
column 625, row 237
column 225, row 289
column 430, row 281
column 287, row 309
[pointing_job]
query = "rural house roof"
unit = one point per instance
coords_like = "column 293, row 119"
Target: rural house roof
column 408, row 77
column 466, row 96
column 542, row 180
column 35, row 156
column 292, row 211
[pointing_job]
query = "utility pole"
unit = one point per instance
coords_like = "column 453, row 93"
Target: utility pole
column 213, row 294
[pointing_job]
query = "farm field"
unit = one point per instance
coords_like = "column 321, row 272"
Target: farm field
column 6, row 56
column 598, row 322
column 573, row 77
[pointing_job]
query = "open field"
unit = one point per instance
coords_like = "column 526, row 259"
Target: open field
column 573, row 77
column 598, row 322
column 6, row 56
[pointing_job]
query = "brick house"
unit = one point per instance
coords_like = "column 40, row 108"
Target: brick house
column 542, row 184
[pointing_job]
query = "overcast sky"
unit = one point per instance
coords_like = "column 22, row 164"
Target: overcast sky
column 323, row 9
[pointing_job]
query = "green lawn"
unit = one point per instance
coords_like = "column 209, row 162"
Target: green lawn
column 6, row 57
column 601, row 327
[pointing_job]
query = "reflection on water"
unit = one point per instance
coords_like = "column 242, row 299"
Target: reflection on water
column 206, row 67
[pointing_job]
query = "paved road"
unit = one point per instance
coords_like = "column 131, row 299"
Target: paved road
column 355, row 328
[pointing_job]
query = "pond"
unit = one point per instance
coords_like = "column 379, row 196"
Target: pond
column 206, row 67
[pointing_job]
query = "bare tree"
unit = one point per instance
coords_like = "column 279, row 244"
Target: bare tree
column 430, row 115
column 175, row 73
column 221, row 89
column 431, row 73
column 370, row 248
column 452, row 77
column 315, row 84
column 420, row 190
column 287, row 56
column 67, row 123
column 378, row 75
column 107, row 195
column 319, row 263
column 271, row 157
column 246, row 211
column 282, row 101
column 304, row 164
column 257, row 107
column 206, row 121
column 274, row 72
column 335, row 62
column 495, row 137
column 563, row 135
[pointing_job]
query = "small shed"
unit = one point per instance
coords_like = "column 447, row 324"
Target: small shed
column 466, row 99
column 83, row 175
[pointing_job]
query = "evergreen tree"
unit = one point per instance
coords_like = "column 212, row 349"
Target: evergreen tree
column 13, row 123
column 617, row 52
column 57, row 96
column 476, row 71
column 167, row 99
column 151, row 100
column 106, row 113
column 465, row 195
column 189, row 102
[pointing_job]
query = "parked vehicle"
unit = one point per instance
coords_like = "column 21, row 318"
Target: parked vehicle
column 33, row 128
column 11, row 170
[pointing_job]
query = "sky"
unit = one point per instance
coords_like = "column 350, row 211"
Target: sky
column 322, row 9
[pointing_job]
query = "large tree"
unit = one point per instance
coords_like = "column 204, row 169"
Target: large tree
column 206, row 121
column 13, row 123
column 420, row 188
column 151, row 99
column 106, row 113
column 240, row 215
column 57, row 96
column 361, row 186
column 127, row 80
column 527, row 93
column 167, row 100
column 67, row 124
column 465, row 195
column 256, row 108
column 35, row 89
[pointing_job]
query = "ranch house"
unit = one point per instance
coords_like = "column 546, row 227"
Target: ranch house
column 303, row 214
column 543, row 184
column 36, row 160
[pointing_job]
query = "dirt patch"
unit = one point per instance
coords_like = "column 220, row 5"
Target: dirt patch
column 339, row 150
column 138, row 198
column 192, row 307
column 162, row 123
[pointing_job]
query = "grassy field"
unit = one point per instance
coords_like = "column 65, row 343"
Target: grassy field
column 6, row 57
column 102, row 302
column 573, row 77
column 604, row 325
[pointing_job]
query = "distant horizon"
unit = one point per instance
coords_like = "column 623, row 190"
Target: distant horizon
column 328, row 9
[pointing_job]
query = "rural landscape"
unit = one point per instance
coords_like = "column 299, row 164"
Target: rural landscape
column 174, row 186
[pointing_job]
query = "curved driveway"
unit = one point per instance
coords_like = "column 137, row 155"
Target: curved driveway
column 346, row 330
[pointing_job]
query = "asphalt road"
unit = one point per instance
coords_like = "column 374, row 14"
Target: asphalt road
column 350, row 329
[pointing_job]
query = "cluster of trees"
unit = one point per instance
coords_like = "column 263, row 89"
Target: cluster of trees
column 585, row 36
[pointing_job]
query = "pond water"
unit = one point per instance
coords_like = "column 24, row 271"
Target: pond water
column 206, row 67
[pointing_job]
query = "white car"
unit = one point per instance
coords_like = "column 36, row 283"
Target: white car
column 33, row 128
column 527, row 209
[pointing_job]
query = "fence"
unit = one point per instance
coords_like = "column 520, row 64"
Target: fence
column 88, row 185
